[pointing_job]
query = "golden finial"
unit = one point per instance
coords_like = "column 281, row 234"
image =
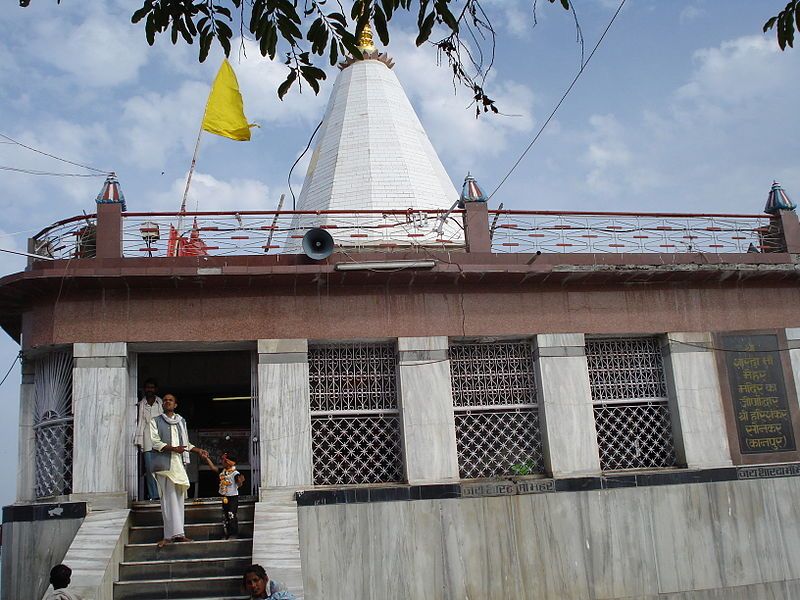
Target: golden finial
column 365, row 39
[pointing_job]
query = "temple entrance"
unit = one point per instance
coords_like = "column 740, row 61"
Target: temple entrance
column 214, row 392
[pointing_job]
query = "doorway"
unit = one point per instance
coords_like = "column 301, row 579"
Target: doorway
column 214, row 393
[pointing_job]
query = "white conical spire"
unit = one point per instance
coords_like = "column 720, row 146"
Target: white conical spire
column 373, row 153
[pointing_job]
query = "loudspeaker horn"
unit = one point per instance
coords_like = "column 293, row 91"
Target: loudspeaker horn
column 317, row 244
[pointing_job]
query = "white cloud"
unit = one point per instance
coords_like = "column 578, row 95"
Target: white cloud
column 715, row 120
column 737, row 71
column 103, row 50
column 459, row 138
column 691, row 13
column 259, row 79
column 156, row 125
column 208, row 193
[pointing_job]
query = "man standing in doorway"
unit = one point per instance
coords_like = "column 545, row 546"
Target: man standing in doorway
column 148, row 408
column 171, row 444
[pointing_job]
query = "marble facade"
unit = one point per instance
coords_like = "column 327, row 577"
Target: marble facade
column 700, row 541
column 27, row 560
column 698, row 418
column 566, row 415
column 426, row 409
column 26, row 464
column 284, row 413
column 102, row 434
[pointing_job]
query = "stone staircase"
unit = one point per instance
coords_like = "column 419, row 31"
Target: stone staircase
column 204, row 569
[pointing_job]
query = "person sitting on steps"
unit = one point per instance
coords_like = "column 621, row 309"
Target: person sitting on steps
column 261, row 587
column 60, row 577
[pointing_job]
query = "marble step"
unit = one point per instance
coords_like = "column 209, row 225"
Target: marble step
column 183, row 568
column 202, row 512
column 196, row 531
column 173, row 589
column 187, row 550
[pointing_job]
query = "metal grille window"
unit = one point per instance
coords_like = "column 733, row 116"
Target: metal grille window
column 355, row 423
column 629, row 392
column 496, row 412
column 52, row 424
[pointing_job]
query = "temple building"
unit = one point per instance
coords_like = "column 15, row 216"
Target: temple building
column 452, row 402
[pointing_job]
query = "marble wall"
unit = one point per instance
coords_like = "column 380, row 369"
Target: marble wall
column 793, row 341
column 698, row 417
column 276, row 540
column 426, row 409
column 284, row 413
column 99, row 395
column 566, row 416
column 26, row 463
column 95, row 553
column 738, row 539
column 31, row 549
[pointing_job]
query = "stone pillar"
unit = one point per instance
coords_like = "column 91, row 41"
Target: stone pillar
column 426, row 409
column 109, row 230
column 698, row 417
column 284, row 414
column 569, row 437
column 476, row 227
column 26, row 463
column 99, row 399
column 790, row 228
column 793, row 341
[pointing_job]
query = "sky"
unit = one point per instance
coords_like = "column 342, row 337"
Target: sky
column 686, row 107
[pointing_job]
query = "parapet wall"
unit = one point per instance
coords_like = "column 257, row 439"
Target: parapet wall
column 730, row 539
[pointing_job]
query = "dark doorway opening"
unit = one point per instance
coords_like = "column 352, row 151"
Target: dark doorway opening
column 213, row 390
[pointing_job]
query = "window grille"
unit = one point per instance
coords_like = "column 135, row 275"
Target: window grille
column 629, row 392
column 52, row 424
column 496, row 411
column 355, row 423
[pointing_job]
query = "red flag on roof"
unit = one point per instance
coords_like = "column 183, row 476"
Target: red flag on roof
column 180, row 246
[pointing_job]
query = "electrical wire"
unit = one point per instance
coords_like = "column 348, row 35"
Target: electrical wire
column 560, row 102
column 53, row 156
column 16, row 358
column 289, row 177
column 50, row 173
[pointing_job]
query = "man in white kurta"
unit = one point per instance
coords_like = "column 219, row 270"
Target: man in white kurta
column 173, row 481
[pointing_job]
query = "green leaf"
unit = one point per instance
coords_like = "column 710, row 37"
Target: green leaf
column 380, row 26
column 446, row 15
column 770, row 24
column 205, row 45
column 426, row 29
column 142, row 12
column 334, row 55
column 150, row 29
column 388, row 8
column 313, row 76
column 284, row 87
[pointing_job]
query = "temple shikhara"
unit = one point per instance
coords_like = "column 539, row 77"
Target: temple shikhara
column 429, row 398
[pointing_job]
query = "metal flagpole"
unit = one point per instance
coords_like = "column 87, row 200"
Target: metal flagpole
column 189, row 180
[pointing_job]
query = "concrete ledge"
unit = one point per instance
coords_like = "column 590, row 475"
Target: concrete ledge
column 44, row 512
column 515, row 487
column 102, row 500
column 96, row 552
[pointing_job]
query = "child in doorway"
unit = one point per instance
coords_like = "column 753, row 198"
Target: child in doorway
column 230, row 480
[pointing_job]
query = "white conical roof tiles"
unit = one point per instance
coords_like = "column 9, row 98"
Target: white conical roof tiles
column 373, row 153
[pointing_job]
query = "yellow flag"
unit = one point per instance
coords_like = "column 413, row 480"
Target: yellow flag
column 225, row 110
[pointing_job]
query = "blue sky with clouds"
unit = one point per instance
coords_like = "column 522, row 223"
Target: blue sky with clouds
column 686, row 107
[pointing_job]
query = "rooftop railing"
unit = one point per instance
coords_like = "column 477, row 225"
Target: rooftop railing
column 111, row 233
column 588, row 233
